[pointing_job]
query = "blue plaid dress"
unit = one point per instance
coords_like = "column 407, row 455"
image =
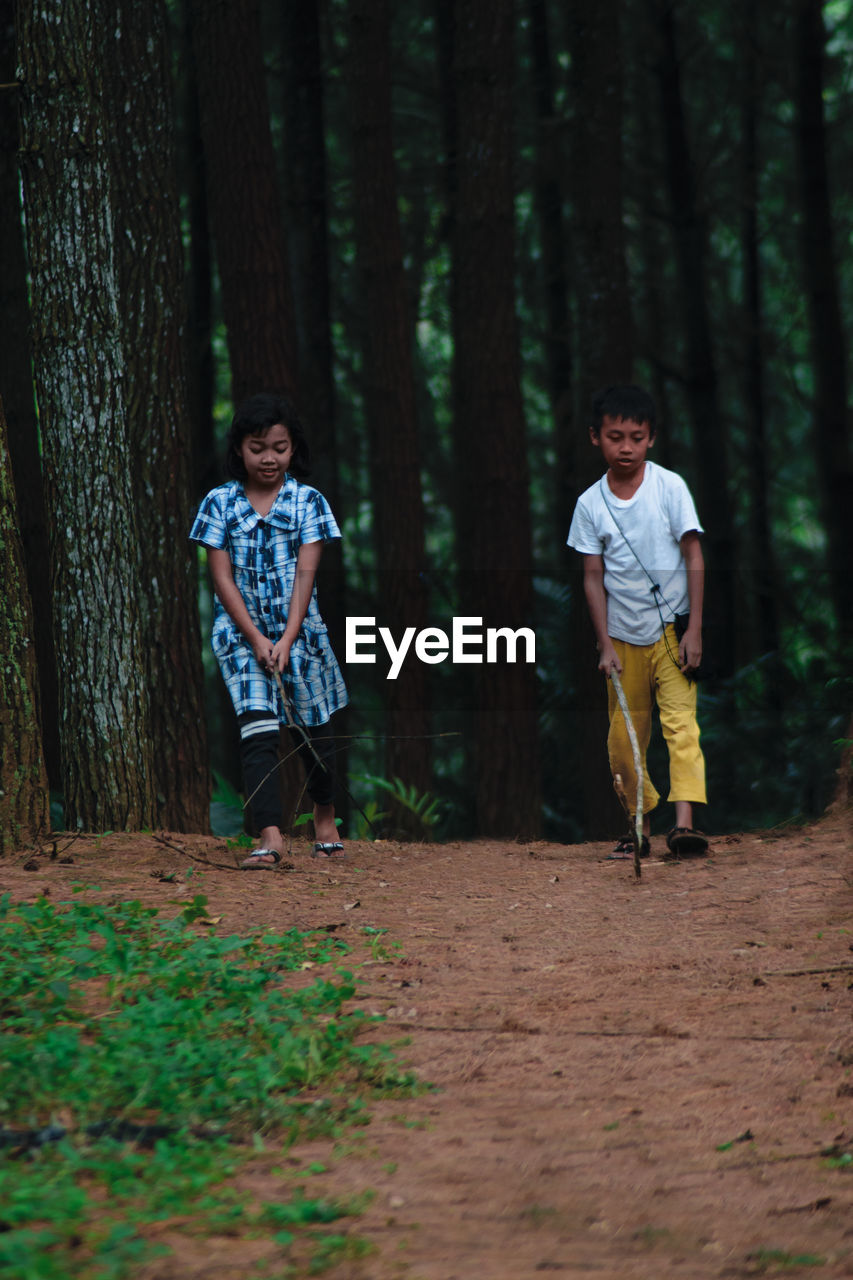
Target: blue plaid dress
column 263, row 551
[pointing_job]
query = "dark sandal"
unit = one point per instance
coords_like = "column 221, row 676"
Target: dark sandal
column 623, row 850
column 684, row 842
column 253, row 862
column 333, row 849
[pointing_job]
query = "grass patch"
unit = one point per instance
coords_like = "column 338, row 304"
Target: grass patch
column 141, row 1062
column 782, row 1260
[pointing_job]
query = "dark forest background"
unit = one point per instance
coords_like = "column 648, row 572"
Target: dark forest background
column 439, row 225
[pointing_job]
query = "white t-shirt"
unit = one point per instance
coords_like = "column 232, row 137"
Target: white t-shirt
column 653, row 521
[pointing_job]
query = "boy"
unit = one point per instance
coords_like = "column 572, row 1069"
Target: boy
column 638, row 532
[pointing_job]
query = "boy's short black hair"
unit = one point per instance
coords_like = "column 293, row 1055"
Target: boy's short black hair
column 254, row 417
column 628, row 402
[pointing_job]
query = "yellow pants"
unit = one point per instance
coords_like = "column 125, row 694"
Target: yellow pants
column 649, row 675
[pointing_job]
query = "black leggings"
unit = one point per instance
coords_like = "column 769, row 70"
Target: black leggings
column 259, row 748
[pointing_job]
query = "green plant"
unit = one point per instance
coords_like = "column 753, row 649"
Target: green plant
column 226, row 808
column 422, row 806
column 369, row 820
column 378, row 950
column 165, row 1054
column 780, row 1259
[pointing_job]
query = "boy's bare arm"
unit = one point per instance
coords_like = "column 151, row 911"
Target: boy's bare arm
column 690, row 648
column 596, row 599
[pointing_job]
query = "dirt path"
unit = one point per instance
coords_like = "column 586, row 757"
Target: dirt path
column 635, row 1079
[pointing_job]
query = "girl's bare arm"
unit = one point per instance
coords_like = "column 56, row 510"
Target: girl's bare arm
column 307, row 563
column 228, row 592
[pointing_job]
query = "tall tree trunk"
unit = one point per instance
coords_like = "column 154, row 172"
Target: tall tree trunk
column 763, row 593
column 604, row 339
column 709, row 426
column 246, row 217
column 829, row 351
column 308, row 241
column 244, row 202
column 192, row 173
column 494, row 520
column 16, row 388
column 23, row 780
column 548, row 196
column 153, row 313
column 389, row 389
column 79, row 370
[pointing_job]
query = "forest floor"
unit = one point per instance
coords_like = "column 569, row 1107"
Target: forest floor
column 633, row 1078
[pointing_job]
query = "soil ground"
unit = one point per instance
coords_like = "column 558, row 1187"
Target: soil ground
column 634, row 1078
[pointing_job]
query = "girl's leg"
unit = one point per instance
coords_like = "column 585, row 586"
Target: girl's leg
column 638, row 684
column 320, row 778
column 259, row 741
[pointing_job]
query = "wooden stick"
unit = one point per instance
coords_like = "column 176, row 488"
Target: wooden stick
column 638, row 770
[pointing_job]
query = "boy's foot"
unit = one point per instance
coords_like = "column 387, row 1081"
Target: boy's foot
column 623, row 850
column 330, row 849
column 684, row 842
column 261, row 860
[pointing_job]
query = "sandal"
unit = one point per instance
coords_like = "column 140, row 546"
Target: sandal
column 334, row 849
column 623, row 850
column 687, row 843
column 254, row 863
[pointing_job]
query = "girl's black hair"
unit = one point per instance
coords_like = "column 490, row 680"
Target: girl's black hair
column 254, row 417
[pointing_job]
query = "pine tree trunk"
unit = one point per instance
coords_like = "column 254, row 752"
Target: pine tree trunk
column 153, row 312
column 308, row 241
column 245, row 207
column 762, row 596
column 493, row 516
column 79, row 370
column 16, row 388
column 23, row 780
column 388, row 384
column 192, row 174
column 308, row 238
column 709, row 424
column 604, row 343
column 548, row 196
column 829, row 349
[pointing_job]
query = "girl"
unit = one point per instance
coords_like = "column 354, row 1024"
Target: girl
column 264, row 533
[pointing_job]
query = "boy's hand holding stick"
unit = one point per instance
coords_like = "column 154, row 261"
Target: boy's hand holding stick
column 638, row 770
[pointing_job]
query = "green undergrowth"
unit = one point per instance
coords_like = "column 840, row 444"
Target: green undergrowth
column 143, row 1062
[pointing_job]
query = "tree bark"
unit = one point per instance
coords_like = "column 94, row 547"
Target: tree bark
column 829, row 350
column 762, row 597
column 605, row 342
column 16, row 388
column 493, row 516
column 308, row 240
column 153, row 314
column 23, row 780
column 192, row 173
column 79, row 370
column 548, row 197
column 709, row 425
column 389, row 388
column 244, row 201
